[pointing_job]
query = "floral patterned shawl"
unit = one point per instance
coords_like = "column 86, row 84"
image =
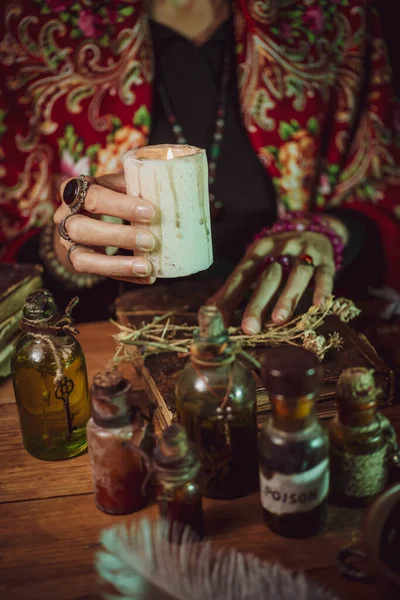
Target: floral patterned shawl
column 315, row 92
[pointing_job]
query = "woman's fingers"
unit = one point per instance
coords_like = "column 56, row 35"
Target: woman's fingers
column 324, row 278
column 114, row 181
column 298, row 280
column 231, row 293
column 127, row 268
column 323, row 268
column 267, row 285
column 92, row 232
column 102, row 200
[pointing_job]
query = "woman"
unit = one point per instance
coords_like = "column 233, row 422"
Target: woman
column 291, row 98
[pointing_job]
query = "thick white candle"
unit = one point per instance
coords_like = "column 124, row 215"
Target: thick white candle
column 175, row 179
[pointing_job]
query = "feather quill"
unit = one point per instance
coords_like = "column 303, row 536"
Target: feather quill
column 141, row 564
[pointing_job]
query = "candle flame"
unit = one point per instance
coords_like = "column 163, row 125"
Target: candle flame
column 170, row 154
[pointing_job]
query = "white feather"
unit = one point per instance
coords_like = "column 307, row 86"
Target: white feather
column 141, row 564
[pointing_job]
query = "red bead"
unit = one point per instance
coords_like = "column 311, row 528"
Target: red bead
column 306, row 259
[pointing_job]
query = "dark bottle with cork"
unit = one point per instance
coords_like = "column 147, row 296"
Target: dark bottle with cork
column 119, row 440
column 177, row 469
column 216, row 403
column 362, row 441
column 293, row 447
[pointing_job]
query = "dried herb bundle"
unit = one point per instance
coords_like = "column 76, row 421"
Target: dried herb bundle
column 161, row 335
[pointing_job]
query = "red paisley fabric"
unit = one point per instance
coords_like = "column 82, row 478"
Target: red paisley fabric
column 314, row 84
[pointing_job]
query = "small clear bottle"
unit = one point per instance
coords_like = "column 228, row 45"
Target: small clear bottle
column 177, row 469
column 293, row 447
column 119, row 442
column 50, row 382
column 362, row 441
column 216, row 403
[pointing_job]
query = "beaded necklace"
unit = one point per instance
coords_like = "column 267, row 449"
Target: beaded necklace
column 216, row 206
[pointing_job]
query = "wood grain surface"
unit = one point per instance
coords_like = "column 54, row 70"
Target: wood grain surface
column 49, row 525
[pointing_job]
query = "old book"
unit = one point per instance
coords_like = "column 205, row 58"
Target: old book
column 5, row 357
column 159, row 372
column 17, row 281
column 10, row 327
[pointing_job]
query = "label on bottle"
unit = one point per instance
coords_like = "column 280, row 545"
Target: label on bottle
column 299, row 492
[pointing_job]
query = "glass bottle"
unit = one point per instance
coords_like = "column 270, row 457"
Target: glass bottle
column 50, row 381
column 293, row 447
column 216, row 403
column 119, row 439
column 362, row 441
column 178, row 488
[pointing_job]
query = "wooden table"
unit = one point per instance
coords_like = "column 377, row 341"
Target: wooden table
column 49, row 525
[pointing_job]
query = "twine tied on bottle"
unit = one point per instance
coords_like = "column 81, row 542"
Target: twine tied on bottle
column 43, row 328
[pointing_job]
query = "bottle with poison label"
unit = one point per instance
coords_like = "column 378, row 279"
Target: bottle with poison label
column 294, row 474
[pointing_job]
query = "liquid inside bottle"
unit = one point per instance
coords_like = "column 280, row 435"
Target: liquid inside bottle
column 178, row 488
column 216, row 404
column 52, row 416
column 293, row 447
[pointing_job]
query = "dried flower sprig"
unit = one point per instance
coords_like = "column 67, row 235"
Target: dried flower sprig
column 160, row 335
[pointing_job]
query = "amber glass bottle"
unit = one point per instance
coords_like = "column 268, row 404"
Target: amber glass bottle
column 294, row 474
column 50, row 382
column 178, row 488
column 216, row 403
column 119, row 439
column 361, row 441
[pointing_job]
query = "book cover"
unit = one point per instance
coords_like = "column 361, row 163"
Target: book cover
column 159, row 372
column 17, row 281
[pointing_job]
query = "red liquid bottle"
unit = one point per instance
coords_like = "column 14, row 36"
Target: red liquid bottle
column 118, row 438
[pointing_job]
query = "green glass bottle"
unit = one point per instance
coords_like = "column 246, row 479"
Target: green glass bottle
column 216, row 403
column 50, row 381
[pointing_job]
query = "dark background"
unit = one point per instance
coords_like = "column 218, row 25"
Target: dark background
column 390, row 21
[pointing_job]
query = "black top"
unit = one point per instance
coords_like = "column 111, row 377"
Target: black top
column 191, row 76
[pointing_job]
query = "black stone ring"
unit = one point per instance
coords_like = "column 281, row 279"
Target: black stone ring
column 62, row 230
column 74, row 193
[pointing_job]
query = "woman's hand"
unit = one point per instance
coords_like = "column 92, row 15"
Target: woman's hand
column 107, row 196
column 247, row 273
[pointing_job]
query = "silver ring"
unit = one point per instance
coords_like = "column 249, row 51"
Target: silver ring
column 62, row 230
column 70, row 251
column 74, row 193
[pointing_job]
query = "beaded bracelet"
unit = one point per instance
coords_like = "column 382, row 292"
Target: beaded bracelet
column 57, row 270
column 301, row 221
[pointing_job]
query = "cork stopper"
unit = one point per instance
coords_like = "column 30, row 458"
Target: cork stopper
column 109, row 382
column 174, row 441
column 40, row 307
column 110, row 395
column 175, row 453
column 357, row 386
column 211, row 324
column 357, row 396
column 291, row 371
